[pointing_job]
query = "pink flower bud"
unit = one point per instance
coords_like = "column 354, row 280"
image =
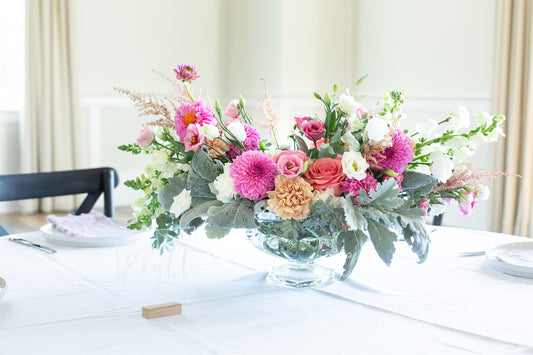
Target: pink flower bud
column 146, row 136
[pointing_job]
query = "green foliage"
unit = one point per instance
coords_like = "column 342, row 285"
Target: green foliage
column 383, row 239
column 236, row 214
column 384, row 196
column 167, row 230
column 190, row 219
column 132, row 148
column 174, row 187
column 203, row 171
column 139, row 183
column 361, row 79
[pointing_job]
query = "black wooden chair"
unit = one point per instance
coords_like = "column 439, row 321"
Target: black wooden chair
column 94, row 182
column 437, row 220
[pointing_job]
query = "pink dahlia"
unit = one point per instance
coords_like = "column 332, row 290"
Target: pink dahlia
column 253, row 174
column 193, row 113
column 398, row 155
column 354, row 186
column 186, row 72
column 250, row 143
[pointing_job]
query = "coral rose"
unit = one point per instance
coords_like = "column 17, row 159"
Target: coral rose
column 325, row 173
column 290, row 198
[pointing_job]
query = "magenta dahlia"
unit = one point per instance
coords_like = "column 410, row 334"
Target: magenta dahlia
column 354, row 186
column 193, row 113
column 253, row 174
column 398, row 155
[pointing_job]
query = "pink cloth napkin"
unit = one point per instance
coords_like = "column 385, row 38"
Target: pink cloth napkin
column 93, row 224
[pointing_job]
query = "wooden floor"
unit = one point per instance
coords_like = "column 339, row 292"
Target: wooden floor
column 19, row 223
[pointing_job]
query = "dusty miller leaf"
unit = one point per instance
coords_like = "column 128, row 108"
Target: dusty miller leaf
column 197, row 212
column 174, row 187
column 354, row 217
column 383, row 240
column 237, row 214
column 203, row 170
column 385, row 195
column 415, row 234
column 353, row 242
column 417, row 183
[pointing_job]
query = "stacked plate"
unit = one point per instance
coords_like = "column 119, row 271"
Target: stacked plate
column 513, row 258
column 3, row 288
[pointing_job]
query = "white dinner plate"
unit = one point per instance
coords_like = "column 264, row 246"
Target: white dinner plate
column 3, row 288
column 513, row 258
column 53, row 236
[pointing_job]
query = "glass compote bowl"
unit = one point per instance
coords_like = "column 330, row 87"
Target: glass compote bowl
column 300, row 242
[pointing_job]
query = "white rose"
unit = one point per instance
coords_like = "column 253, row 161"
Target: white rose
column 348, row 105
column 354, row 165
column 377, row 129
column 181, row 203
column 209, row 131
column 442, row 169
column 222, row 187
column 355, row 123
column 237, row 129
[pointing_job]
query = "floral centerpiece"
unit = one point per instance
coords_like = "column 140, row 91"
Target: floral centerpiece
column 346, row 177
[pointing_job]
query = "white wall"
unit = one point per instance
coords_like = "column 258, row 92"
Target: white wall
column 439, row 52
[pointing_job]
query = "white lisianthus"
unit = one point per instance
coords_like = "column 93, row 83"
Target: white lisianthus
column 209, row 131
column 182, row 202
column 350, row 141
column 442, row 168
column 237, row 129
column 377, row 129
column 484, row 193
column 159, row 158
column 348, row 105
column 222, row 187
column 460, row 119
column 354, row 165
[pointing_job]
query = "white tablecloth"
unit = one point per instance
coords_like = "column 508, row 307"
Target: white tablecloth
column 89, row 300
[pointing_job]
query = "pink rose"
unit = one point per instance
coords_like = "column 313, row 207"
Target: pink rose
column 325, row 173
column 466, row 202
column 313, row 129
column 290, row 163
column 145, row 137
column 300, row 120
column 193, row 140
column 361, row 111
column 232, row 111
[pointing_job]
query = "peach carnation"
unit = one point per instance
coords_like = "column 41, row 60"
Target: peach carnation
column 219, row 145
column 290, row 198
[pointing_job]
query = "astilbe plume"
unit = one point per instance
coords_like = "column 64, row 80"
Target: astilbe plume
column 271, row 116
column 466, row 177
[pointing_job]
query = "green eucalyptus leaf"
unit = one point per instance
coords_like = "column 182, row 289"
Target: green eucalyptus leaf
column 353, row 242
column 174, row 187
column 383, row 239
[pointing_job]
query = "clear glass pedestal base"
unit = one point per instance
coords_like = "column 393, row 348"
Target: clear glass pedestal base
column 299, row 275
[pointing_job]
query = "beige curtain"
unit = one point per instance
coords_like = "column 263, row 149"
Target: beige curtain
column 513, row 97
column 51, row 102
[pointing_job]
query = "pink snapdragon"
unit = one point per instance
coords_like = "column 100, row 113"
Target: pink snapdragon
column 232, row 111
column 291, row 163
column 193, row 113
column 186, row 72
column 145, row 138
column 313, row 129
column 193, row 140
column 466, row 202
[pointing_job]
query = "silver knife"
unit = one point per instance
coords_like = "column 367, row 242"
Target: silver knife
column 33, row 245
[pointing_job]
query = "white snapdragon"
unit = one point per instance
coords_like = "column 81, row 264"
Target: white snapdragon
column 484, row 193
column 159, row 158
column 354, row 165
column 442, row 168
column 377, row 129
column 222, row 187
column 494, row 135
column 476, row 140
column 483, row 118
column 457, row 142
column 460, row 119
column 460, row 154
column 182, row 202
column 209, row 131
column 237, row 129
